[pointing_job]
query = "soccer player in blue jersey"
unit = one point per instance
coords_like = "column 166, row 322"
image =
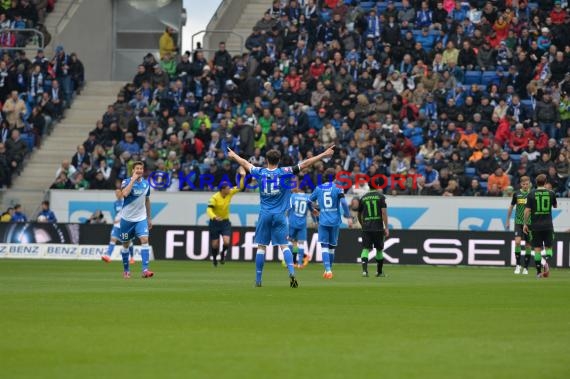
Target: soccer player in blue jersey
column 116, row 231
column 275, row 186
column 136, row 218
column 330, row 199
column 300, row 205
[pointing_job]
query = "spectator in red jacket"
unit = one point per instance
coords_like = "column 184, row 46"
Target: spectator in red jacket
column 538, row 136
column 503, row 133
column 405, row 146
column 557, row 15
column 519, row 140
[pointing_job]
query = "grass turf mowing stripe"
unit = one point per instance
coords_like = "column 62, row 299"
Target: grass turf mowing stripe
column 67, row 319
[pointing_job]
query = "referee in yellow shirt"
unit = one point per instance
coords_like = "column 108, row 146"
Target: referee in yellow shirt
column 219, row 214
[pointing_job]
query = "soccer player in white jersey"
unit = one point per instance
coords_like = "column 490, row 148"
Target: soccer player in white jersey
column 116, row 231
column 136, row 218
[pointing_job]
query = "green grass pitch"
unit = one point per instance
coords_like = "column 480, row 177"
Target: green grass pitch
column 62, row 319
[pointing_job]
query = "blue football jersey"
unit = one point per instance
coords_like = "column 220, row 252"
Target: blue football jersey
column 134, row 207
column 298, row 211
column 274, row 188
column 118, row 206
column 328, row 197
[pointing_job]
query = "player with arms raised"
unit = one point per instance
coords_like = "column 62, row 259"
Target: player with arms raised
column 330, row 200
column 136, row 218
column 373, row 216
column 274, row 192
column 519, row 201
column 538, row 214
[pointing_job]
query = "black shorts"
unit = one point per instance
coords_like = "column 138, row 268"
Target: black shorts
column 519, row 233
column 373, row 239
column 542, row 238
column 220, row 228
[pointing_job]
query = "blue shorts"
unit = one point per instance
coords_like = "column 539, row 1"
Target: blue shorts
column 297, row 234
column 271, row 229
column 130, row 229
column 116, row 232
column 328, row 235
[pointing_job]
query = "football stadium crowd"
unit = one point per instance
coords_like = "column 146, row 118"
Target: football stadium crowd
column 470, row 95
column 35, row 91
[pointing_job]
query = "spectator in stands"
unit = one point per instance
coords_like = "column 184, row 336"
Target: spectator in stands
column 7, row 216
column 77, row 73
column 47, row 213
column 5, row 168
column 80, row 158
column 66, row 168
column 14, row 108
column 56, row 100
column 166, row 43
column 19, row 215
column 16, row 149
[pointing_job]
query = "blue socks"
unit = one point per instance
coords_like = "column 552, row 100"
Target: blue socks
column 288, row 257
column 145, row 256
column 301, row 255
column 110, row 249
column 259, row 263
column 125, row 257
column 326, row 259
column 331, row 257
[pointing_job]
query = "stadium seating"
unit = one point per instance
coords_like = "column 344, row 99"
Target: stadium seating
column 472, row 77
column 466, row 79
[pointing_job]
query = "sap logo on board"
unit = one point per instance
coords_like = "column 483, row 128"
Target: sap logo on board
column 486, row 219
column 80, row 211
column 403, row 217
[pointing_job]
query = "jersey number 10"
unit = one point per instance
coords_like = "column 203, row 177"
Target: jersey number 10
column 543, row 203
column 300, row 207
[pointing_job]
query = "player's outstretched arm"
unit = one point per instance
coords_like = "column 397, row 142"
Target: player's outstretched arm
column 241, row 174
column 242, row 162
column 311, row 161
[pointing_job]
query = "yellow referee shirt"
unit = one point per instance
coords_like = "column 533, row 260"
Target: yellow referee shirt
column 219, row 206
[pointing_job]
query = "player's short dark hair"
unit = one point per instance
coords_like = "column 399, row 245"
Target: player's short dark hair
column 330, row 174
column 138, row 163
column 224, row 185
column 45, row 202
column 525, row 179
column 541, row 180
column 273, row 157
column 17, row 206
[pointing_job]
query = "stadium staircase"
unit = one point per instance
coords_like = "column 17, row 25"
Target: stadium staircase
column 31, row 187
column 56, row 20
column 239, row 16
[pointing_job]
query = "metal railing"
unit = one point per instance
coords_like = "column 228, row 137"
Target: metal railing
column 40, row 44
column 219, row 32
column 66, row 16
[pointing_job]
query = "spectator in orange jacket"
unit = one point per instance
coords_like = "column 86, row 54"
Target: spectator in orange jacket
column 468, row 135
column 500, row 179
